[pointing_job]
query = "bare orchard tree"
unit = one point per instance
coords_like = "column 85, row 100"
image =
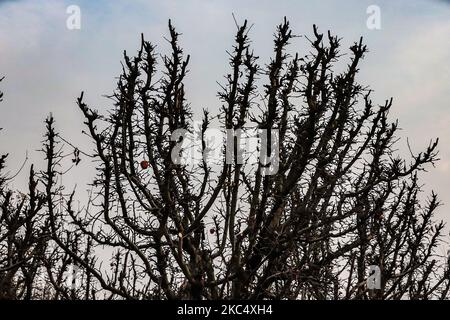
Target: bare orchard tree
column 327, row 201
column 23, row 238
column 32, row 266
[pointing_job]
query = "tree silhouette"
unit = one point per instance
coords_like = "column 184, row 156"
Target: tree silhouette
column 307, row 225
column 23, row 240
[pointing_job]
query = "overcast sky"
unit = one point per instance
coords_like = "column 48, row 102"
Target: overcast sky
column 47, row 65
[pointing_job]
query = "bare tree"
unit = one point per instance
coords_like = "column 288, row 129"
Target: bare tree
column 338, row 201
column 23, row 239
column 31, row 265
